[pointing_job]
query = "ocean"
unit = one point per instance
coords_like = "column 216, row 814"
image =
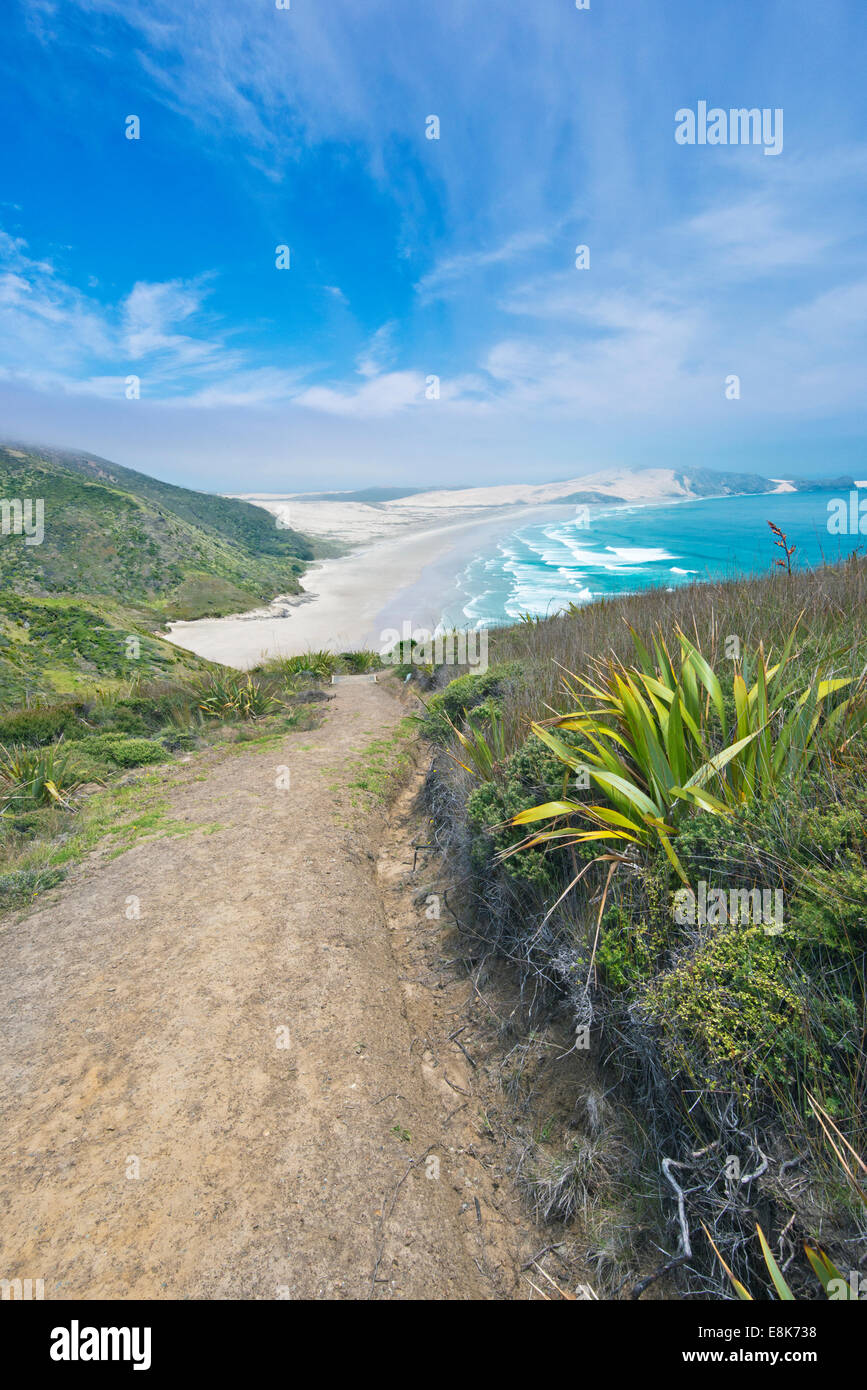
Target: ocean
column 541, row 567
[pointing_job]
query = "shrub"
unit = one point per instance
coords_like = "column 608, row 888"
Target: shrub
column 155, row 705
column 179, row 740
column 361, row 661
column 116, row 748
column 533, row 771
column 39, row 725
column 464, row 694
column 727, row 1014
column 126, row 720
column 135, row 752
column 638, row 930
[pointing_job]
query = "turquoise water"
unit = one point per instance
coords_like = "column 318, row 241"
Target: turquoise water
column 540, row 568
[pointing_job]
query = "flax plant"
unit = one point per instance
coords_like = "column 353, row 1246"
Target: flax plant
column 657, row 741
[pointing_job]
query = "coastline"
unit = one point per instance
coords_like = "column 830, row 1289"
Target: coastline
column 403, row 570
column 350, row 600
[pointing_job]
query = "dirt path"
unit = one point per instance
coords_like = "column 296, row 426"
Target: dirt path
column 235, row 1094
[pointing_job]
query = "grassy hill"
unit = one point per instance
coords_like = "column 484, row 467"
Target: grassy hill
column 122, row 553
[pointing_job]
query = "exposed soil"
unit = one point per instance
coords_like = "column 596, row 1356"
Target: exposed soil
column 249, row 1089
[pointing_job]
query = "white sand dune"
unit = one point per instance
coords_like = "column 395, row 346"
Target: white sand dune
column 358, row 523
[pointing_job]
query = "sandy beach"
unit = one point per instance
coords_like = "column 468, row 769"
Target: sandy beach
column 405, row 557
column 350, row 601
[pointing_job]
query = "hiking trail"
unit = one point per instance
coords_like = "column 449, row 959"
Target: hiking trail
column 238, row 1092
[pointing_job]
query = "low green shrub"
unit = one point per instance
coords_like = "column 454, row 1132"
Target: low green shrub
column 638, row 930
column 728, row 1015
column 531, row 772
column 178, row 740
column 465, row 693
column 360, row 661
column 136, row 752
column 124, row 719
column 38, row 725
column 119, row 751
column 742, row 1009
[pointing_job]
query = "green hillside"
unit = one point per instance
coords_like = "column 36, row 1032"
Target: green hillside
column 227, row 518
column 121, row 555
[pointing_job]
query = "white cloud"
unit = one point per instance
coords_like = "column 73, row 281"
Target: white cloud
column 448, row 273
column 757, row 235
column 57, row 338
column 150, row 311
column 379, row 396
column 833, row 320
column 379, row 351
column 258, row 387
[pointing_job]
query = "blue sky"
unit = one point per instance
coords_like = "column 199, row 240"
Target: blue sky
column 413, row 258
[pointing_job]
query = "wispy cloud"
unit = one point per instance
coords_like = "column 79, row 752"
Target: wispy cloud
column 379, row 352
column 379, row 396
column 59, row 338
column 448, row 273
